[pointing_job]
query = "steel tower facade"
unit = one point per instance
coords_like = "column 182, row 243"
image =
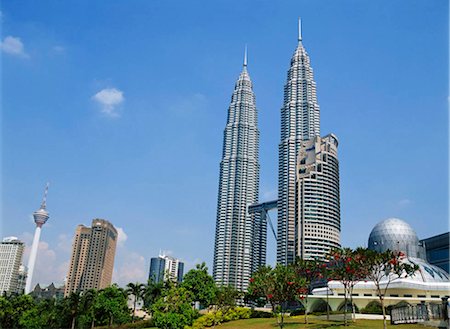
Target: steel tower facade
column 300, row 120
column 240, row 240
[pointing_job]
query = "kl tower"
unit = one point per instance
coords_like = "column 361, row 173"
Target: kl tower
column 40, row 218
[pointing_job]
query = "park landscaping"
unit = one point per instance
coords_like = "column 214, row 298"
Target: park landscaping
column 314, row 323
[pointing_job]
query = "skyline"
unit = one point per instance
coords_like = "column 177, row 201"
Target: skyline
column 151, row 167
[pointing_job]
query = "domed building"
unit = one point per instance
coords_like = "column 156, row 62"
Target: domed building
column 429, row 283
column 396, row 234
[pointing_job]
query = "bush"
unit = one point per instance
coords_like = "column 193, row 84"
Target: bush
column 372, row 308
column 260, row 314
column 136, row 325
column 214, row 318
column 298, row 311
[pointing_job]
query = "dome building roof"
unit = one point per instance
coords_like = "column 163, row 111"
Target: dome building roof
column 396, row 234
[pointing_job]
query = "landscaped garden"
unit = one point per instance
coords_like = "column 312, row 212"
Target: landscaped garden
column 171, row 305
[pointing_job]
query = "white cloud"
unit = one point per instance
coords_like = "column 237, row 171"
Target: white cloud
column 121, row 236
column 129, row 267
column 51, row 265
column 65, row 243
column 109, row 99
column 404, row 202
column 13, row 46
column 58, row 49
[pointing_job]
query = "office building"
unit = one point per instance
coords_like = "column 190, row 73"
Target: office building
column 40, row 218
column 318, row 225
column 237, row 235
column 163, row 268
column 300, row 122
column 92, row 260
column 11, row 252
column 437, row 250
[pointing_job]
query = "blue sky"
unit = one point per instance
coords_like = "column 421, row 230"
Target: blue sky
column 121, row 105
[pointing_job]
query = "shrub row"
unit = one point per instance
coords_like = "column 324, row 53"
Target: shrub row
column 136, row 325
column 214, row 318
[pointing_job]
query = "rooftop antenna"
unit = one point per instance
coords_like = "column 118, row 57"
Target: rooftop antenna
column 44, row 200
column 245, row 56
column 299, row 29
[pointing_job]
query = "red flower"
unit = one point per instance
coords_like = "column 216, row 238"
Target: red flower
column 270, row 296
column 252, row 280
column 302, row 297
column 290, row 283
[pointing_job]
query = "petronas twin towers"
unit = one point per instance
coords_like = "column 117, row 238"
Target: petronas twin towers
column 308, row 180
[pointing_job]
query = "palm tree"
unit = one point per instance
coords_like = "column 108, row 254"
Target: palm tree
column 137, row 290
column 73, row 302
column 153, row 291
column 88, row 304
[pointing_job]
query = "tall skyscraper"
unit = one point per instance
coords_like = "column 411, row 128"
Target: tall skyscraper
column 300, row 121
column 92, row 260
column 11, row 252
column 319, row 221
column 163, row 268
column 40, row 218
column 236, row 232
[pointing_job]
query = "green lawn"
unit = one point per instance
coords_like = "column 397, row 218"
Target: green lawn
column 314, row 323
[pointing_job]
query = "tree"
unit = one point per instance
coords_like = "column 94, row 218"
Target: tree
column 225, row 297
column 383, row 268
column 42, row 315
column 137, row 290
column 279, row 285
column 73, row 305
column 200, row 284
column 310, row 271
column 12, row 307
column 345, row 266
column 6, row 310
column 111, row 306
column 88, row 302
column 173, row 310
column 153, row 290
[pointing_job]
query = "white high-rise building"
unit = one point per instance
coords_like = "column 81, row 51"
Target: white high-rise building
column 319, row 220
column 300, row 121
column 239, row 238
column 11, row 252
column 163, row 268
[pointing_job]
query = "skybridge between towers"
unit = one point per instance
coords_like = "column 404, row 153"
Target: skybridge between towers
column 263, row 210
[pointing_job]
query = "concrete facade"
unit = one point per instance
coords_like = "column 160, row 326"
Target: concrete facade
column 92, row 260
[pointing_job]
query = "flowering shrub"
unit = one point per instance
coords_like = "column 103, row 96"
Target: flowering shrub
column 214, row 318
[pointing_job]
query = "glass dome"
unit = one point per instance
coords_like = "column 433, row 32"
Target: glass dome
column 396, row 234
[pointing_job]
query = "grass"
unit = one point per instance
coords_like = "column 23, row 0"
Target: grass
column 314, row 323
